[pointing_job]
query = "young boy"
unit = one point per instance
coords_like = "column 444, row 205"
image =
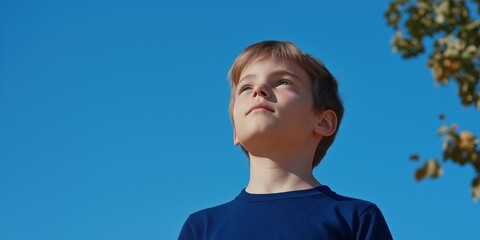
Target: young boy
column 286, row 111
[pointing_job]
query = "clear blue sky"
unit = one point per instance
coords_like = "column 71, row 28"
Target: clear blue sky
column 114, row 116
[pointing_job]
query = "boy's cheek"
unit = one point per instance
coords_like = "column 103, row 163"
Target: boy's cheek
column 237, row 109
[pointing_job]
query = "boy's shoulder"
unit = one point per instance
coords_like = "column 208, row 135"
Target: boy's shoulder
column 347, row 203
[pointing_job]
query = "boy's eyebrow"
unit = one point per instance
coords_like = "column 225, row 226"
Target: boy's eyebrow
column 278, row 72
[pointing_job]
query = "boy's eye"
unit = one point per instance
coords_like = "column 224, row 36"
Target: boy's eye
column 244, row 88
column 283, row 82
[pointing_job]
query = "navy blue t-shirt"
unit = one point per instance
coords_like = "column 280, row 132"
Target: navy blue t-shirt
column 316, row 213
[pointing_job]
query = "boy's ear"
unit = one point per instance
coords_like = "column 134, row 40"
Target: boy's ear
column 236, row 141
column 326, row 124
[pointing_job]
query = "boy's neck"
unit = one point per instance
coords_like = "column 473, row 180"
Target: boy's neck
column 280, row 175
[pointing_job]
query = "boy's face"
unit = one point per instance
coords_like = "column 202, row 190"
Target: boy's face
column 273, row 105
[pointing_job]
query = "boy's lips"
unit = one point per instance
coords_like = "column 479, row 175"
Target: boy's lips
column 260, row 106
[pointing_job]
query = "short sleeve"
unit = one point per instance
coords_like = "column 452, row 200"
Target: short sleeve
column 372, row 225
column 187, row 232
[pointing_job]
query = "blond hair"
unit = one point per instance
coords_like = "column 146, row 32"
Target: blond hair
column 324, row 85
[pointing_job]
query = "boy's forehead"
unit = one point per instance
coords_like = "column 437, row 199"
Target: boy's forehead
column 278, row 64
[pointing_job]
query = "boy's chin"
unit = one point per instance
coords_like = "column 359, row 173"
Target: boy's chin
column 261, row 141
column 257, row 135
column 261, row 129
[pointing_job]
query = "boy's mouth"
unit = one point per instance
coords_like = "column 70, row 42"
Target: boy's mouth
column 260, row 106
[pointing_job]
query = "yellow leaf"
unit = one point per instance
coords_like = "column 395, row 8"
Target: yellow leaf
column 433, row 168
column 442, row 130
column 476, row 189
column 467, row 142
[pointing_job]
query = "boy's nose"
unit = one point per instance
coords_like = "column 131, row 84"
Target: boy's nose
column 261, row 91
